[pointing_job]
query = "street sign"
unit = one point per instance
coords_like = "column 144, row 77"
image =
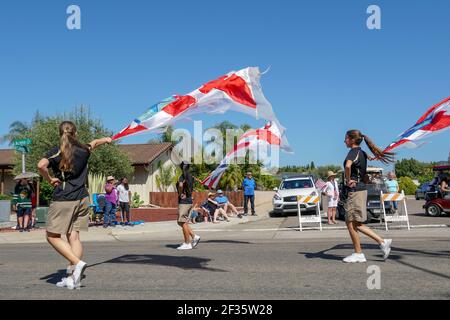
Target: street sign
column 22, row 142
column 23, row 149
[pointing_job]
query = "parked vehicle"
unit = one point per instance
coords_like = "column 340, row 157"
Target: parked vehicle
column 422, row 190
column 437, row 203
column 375, row 184
column 285, row 198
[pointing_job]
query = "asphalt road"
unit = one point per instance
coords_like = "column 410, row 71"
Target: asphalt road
column 225, row 267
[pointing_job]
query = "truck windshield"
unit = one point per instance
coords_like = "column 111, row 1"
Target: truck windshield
column 297, row 184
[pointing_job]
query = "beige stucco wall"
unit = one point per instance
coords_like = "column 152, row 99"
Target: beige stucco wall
column 144, row 178
column 9, row 183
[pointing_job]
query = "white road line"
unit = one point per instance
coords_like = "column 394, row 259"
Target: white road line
column 326, row 228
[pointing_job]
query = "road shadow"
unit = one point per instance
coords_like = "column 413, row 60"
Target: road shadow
column 399, row 257
column 185, row 263
column 175, row 246
column 56, row 277
column 226, row 241
column 328, row 256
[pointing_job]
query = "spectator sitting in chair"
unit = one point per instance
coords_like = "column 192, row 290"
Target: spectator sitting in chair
column 204, row 211
column 224, row 203
column 213, row 208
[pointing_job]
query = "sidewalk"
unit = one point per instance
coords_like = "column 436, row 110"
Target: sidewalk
column 169, row 228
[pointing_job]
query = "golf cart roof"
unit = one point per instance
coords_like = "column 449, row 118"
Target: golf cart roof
column 443, row 167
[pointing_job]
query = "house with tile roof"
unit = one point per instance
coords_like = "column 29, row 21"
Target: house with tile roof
column 143, row 157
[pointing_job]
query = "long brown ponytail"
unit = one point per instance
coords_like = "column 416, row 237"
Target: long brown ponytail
column 357, row 137
column 68, row 142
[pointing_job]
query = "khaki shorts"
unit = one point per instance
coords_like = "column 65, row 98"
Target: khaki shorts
column 356, row 206
column 67, row 216
column 184, row 211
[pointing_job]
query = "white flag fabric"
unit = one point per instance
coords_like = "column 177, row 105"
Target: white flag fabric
column 238, row 91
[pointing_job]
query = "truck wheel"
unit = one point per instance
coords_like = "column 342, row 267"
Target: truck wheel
column 433, row 210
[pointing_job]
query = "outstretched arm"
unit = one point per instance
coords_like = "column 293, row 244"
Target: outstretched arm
column 98, row 142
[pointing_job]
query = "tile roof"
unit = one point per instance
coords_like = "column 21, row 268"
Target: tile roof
column 139, row 154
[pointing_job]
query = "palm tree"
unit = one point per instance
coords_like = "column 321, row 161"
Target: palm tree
column 165, row 177
column 232, row 178
column 16, row 130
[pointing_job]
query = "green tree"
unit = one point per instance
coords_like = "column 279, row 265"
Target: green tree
column 407, row 185
column 165, row 177
column 232, row 178
column 414, row 169
column 106, row 160
column 16, row 130
column 322, row 171
column 165, row 136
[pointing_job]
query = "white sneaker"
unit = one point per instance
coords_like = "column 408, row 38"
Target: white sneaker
column 185, row 246
column 386, row 248
column 63, row 282
column 70, row 283
column 355, row 258
column 195, row 241
column 78, row 273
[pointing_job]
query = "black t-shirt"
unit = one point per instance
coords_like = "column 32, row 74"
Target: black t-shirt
column 188, row 186
column 73, row 186
column 210, row 206
column 358, row 169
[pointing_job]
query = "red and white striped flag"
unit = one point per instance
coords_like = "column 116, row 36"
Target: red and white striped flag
column 320, row 184
column 268, row 135
column 237, row 91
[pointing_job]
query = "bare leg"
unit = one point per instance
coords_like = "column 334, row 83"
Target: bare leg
column 224, row 214
column 216, row 213
column 33, row 218
column 187, row 232
column 352, row 229
column 333, row 216
column 26, row 221
column 225, row 207
column 233, row 208
column 20, row 222
column 62, row 247
column 329, row 212
column 75, row 243
column 369, row 232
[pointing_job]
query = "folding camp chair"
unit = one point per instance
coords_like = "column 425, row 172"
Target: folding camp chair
column 98, row 208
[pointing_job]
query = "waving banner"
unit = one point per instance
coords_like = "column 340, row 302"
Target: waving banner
column 435, row 120
column 267, row 136
column 237, row 91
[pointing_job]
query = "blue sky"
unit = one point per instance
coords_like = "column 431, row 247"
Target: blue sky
column 329, row 73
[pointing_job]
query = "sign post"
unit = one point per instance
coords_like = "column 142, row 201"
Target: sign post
column 21, row 145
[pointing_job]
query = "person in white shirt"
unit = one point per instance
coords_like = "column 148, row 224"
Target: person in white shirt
column 124, row 201
column 331, row 190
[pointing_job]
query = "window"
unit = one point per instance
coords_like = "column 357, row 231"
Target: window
column 297, row 184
